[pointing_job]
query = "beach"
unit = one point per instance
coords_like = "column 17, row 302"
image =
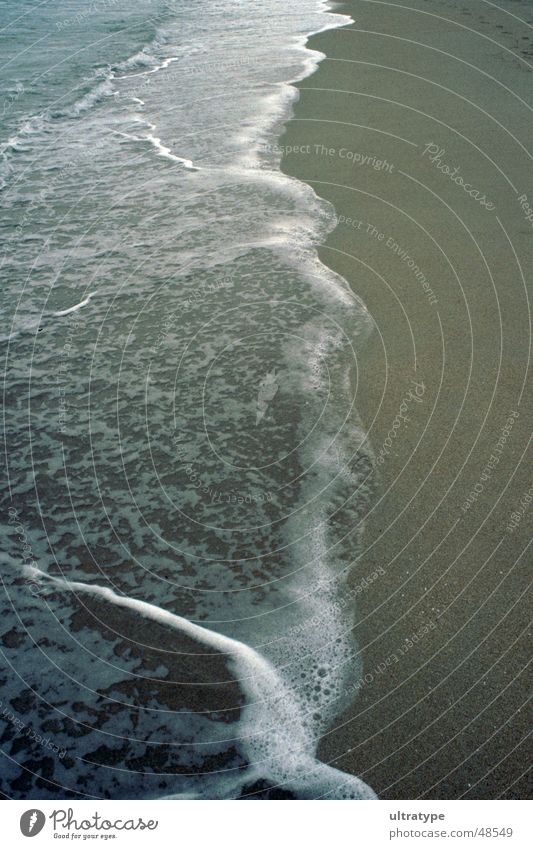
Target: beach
column 265, row 350
column 415, row 128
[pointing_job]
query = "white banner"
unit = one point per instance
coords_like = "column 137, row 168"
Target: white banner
column 274, row 823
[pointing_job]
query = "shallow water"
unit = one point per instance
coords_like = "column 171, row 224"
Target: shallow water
column 179, row 421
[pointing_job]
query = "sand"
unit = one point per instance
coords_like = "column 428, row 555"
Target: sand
column 416, row 127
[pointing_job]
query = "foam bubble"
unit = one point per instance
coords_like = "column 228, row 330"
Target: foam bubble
column 275, row 738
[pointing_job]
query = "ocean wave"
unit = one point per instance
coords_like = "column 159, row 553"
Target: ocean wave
column 20, row 142
column 76, row 307
column 156, row 143
column 279, row 748
column 100, row 86
column 264, row 231
column 92, row 98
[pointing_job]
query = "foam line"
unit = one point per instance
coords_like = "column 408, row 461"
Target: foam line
column 156, row 142
column 76, row 306
column 272, row 729
column 161, row 67
column 166, row 152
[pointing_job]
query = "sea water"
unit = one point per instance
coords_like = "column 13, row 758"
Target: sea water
column 187, row 479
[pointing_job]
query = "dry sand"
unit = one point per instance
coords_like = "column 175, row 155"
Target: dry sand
column 442, row 713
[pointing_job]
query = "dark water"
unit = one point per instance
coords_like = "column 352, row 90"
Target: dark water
column 179, row 421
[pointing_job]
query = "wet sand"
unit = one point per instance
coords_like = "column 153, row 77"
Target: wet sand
column 416, row 128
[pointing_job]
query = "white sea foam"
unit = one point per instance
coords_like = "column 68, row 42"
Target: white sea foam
column 165, row 152
column 28, row 128
column 90, row 99
column 279, row 747
column 76, row 307
column 285, row 715
column 157, row 144
column 18, row 142
column 160, row 67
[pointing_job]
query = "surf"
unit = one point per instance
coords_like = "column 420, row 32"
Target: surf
column 280, row 749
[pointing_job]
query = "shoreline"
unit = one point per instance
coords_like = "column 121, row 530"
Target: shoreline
column 269, row 365
column 422, row 726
